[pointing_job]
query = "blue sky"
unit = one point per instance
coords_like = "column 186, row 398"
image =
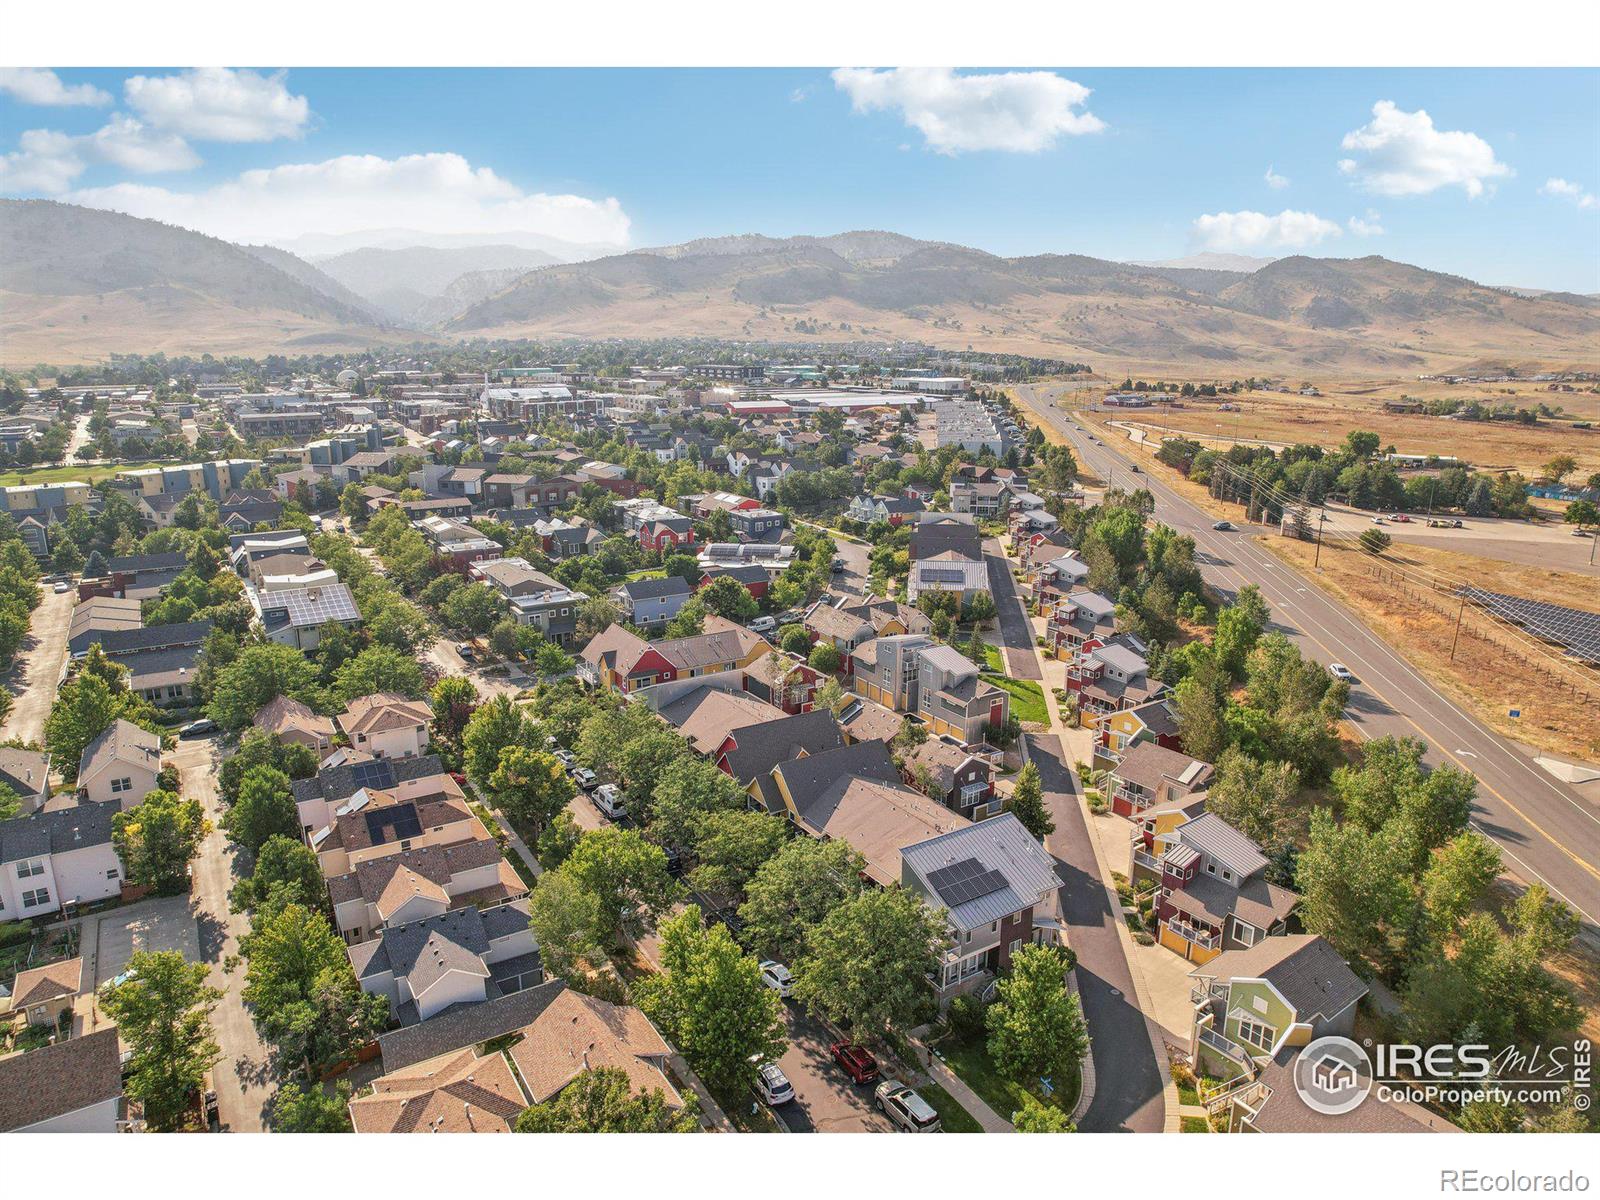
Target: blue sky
column 1487, row 173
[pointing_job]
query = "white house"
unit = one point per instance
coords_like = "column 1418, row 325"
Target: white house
column 387, row 725
column 120, row 766
column 58, row 857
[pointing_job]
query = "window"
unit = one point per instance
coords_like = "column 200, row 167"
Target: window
column 35, row 898
column 1259, row 1003
column 112, row 873
column 26, row 870
column 1227, row 874
column 1256, row 1033
column 124, row 784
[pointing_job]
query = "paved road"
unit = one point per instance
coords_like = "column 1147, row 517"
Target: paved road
column 825, row 1101
column 1016, row 634
column 243, row 1076
column 37, row 670
column 1546, row 830
column 1128, row 1094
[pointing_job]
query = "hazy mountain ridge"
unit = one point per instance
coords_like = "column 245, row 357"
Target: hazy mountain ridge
column 407, row 283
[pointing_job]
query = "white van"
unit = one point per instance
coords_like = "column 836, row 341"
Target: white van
column 763, row 625
column 608, row 798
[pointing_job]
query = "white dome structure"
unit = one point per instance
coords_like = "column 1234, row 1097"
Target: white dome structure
column 348, row 378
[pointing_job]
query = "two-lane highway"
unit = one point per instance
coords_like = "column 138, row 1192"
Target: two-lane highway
column 1545, row 829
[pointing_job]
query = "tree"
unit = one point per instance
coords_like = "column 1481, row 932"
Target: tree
column 162, row 1009
column 979, row 610
column 685, row 566
column 496, row 726
column 710, row 1000
column 1036, row 1117
column 643, row 759
column 831, row 696
column 729, row 598
column 474, row 608
column 731, row 845
column 825, row 657
column 1356, row 888
column 1560, row 466
column 286, row 872
column 602, row 1100
column 1239, row 627
column 1582, row 513
column 566, row 919
column 690, row 620
column 793, row 639
column 1361, row 443
column 453, row 698
column 265, row 808
column 595, row 615
column 689, row 790
column 378, row 669
column 531, row 787
column 1374, row 541
column 627, row 874
column 794, row 890
column 1027, row 804
column 301, row 990
column 83, row 709
column 258, row 748
column 1036, row 1027
column 311, row 1109
column 157, row 838
column 1252, row 796
column 1480, row 499
column 260, row 673
column 1455, row 878
column 867, row 962
column 1200, row 716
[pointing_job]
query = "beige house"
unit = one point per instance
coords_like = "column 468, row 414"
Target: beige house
column 120, row 766
column 42, row 994
column 374, row 824
column 424, row 882
column 387, row 725
column 295, row 722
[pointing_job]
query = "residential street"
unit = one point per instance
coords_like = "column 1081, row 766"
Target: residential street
column 1016, row 633
column 1546, row 830
column 1129, row 1087
column 243, row 1078
column 38, row 666
column 825, row 1100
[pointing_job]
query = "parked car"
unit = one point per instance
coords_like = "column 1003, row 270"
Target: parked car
column 61, row 585
column 776, row 976
column 1223, row 526
column 584, row 778
column 838, row 565
column 674, row 862
column 773, row 1085
column 213, row 1115
column 467, row 651
column 1401, row 519
column 565, row 758
column 608, row 798
column 857, row 1061
column 200, row 728
column 1581, row 533
column 905, row 1108
column 1341, row 672
column 763, row 624
column 1379, row 521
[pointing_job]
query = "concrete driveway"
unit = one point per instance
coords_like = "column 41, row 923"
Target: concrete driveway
column 825, row 1100
column 38, row 667
column 164, row 923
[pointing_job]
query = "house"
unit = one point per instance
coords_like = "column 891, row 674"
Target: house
column 757, row 524
column 830, row 626
column 296, row 724
column 945, row 770
column 985, row 501
column 73, row 1086
column 142, row 576
column 387, row 725
column 461, row 544
column 707, row 715
column 854, row 794
column 1150, row 774
column 462, row 956
column 885, row 670
column 783, row 680
column 1116, row 732
column 753, row 577
column 948, row 571
column 320, row 796
column 120, row 766
column 296, row 616
column 953, row 699
column 56, row 858
column 42, row 994
column 247, row 548
column 866, row 720
column 1255, row 1010
column 648, row 602
column 1078, row 619
column 996, row 885
column 1213, row 893
column 773, row 558
column 27, row 773
column 1053, row 581
column 656, row 526
column 98, row 616
column 942, row 533
column 425, row 882
column 887, row 617
column 1111, row 677
column 625, row 662
column 542, row 1037
column 894, row 509
column 374, row 823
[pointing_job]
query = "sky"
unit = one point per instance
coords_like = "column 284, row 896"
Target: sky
column 1491, row 174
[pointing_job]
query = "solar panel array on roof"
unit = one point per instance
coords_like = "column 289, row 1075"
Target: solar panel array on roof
column 965, row 880
column 397, row 822
column 942, row 575
column 1573, row 629
column 377, row 774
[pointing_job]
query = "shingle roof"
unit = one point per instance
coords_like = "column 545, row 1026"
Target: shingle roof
column 153, row 637
column 1302, row 966
column 808, row 776
column 459, row 1093
column 148, row 562
column 342, row 782
column 1285, row 1112
column 121, row 742
column 283, row 714
column 383, row 711
column 49, row 982
column 402, row 1048
column 60, row 1079
column 876, row 818
column 760, row 747
column 1150, row 765
column 706, row 715
column 575, row 1033
column 656, row 589
column 56, row 831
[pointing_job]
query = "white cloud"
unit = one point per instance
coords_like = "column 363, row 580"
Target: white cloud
column 49, row 161
column 1021, row 111
column 1565, row 189
column 34, row 86
column 1368, row 226
column 1401, row 154
column 800, row 95
column 428, row 193
column 1276, row 181
column 215, row 104
column 1256, row 231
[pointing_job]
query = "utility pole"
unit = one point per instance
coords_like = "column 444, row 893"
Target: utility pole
column 1457, row 636
column 1322, row 519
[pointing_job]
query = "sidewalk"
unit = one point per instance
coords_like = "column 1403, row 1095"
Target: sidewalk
column 942, row 1075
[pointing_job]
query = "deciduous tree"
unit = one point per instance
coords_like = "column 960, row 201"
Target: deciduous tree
column 157, row 838
column 602, row 1100
column 1036, row 1027
column 162, row 1009
column 866, row 963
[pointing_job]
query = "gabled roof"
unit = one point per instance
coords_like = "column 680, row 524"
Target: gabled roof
column 282, row 714
column 760, row 747
column 60, row 1079
column 1305, row 969
column 456, row 1093
column 706, row 715
column 876, row 818
column 1216, row 839
column 1150, row 765
column 1008, row 870
column 575, row 1033
column 809, row 776
column 826, row 621
column 154, row 637
column 121, row 742
column 656, row 589
column 56, row 831
column 53, row 981
column 384, row 711
column 341, row 782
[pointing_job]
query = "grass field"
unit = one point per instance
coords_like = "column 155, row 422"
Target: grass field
column 1027, row 698
column 87, row 474
column 970, row 1060
column 952, row 1116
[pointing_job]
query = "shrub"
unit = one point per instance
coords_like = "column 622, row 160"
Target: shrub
column 965, row 1018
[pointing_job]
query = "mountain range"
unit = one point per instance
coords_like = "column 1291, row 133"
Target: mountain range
column 78, row 284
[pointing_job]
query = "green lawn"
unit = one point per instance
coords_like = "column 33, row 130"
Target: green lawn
column 952, row 1116
column 84, row 474
column 647, row 573
column 970, row 1060
column 1193, row 1125
column 1027, row 697
column 992, row 660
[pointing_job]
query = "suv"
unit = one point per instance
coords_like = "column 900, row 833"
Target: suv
column 467, row 651
column 776, row 976
column 905, row 1109
column 608, row 798
column 773, row 1085
column 584, row 778
column 857, row 1061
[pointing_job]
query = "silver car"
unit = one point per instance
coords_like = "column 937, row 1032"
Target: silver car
column 905, row 1109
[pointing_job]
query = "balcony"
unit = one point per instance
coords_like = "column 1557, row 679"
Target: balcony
column 1225, row 1045
column 1193, row 934
column 1201, row 993
column 1145, row 859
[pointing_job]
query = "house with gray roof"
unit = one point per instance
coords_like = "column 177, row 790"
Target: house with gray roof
column 73, row 1086
column 648, row 602
column 461, row 957
column 1214, row 894
column 997, row 886
column 296, row 616
column 120, row 766
column 57, row 857
column 1152, row 774
column 27, row 773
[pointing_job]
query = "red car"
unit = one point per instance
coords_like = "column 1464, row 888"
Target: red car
column 857, row 1061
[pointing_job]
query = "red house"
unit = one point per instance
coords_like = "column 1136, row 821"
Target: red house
column 753, row 575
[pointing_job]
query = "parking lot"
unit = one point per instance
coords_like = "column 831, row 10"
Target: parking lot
column 166, row 923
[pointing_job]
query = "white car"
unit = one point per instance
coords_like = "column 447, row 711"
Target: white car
column 773, row 1085
column 763, row 625
column 608, row 798
column 1341, row 672
column 776, row 976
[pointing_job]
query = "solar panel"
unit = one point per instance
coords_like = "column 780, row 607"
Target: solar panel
column 1573, row 629
column 943, row 575
column 965, row 880
column 378, row 774
column 396, row 822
